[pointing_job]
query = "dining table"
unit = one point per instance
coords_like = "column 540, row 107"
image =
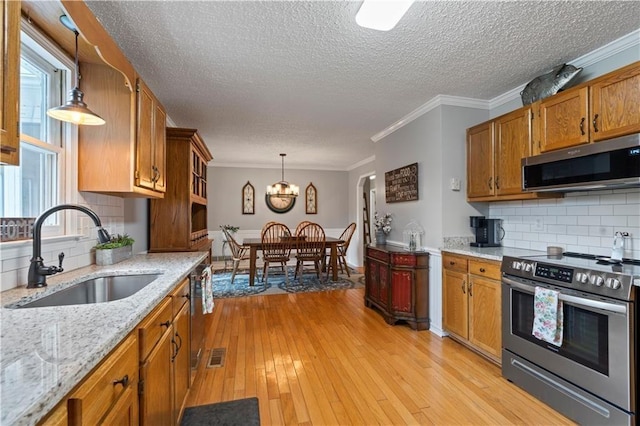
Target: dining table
column 255, row 244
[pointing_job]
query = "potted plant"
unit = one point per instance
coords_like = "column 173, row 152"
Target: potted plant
column 119, row 248
column 230, row 229
column 383, row 227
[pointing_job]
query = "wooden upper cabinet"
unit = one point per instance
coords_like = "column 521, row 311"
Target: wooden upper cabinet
column 150, row 141
column 564, row 120
column 10, row 78
column 615, row 103
column 480, row 161
column 513, row 143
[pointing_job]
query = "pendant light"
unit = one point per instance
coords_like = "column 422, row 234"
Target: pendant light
column 75, row 110
column 283, row 189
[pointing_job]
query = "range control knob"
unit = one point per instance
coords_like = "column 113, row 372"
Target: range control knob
column 582, row 278
column 612, row 283
column 596, row 280
column 516, row 265
column 528, row 267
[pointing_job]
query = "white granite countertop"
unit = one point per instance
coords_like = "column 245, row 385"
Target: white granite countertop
column 492, row 253
column 45, row 352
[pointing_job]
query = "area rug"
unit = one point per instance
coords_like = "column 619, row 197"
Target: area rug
column 308, row 282
column 243, row 412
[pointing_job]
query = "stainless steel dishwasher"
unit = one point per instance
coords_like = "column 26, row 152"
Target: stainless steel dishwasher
column 197, row 317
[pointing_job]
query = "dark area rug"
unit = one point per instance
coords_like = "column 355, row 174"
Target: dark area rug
column 242, row 412
column 222, row 287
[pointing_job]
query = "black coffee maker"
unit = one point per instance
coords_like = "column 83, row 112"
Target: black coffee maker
column 487, row 231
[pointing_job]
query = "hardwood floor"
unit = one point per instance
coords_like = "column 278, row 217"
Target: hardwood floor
column 324, row 359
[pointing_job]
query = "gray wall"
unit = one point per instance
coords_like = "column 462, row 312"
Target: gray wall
column 136, row 211
column 356, row 186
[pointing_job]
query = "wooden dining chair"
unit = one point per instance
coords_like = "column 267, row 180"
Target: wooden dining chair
column 265, row 226
column 238, row 252
column 276, row 248
column 301, row 225
column 342, row 249
column 310, row 247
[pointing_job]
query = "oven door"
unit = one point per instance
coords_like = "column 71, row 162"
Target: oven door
column 597, row 346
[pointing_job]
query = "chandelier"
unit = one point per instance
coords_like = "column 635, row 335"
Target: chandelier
column 283, row 189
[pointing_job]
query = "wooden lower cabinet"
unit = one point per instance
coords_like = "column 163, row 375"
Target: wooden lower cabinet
column 181, row 362
column 156, row 396
column 471, row 303
column 397, row 284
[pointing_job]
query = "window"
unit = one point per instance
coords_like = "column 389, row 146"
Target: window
column 36, row 185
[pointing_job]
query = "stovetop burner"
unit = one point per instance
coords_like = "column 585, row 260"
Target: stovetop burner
column 602, row 260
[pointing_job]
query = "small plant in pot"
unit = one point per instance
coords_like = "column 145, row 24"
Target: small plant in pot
column 119, row 248
column 230, row 229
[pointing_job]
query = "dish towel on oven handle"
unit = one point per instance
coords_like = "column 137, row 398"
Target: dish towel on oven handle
column 547, row 316
column 207, row 290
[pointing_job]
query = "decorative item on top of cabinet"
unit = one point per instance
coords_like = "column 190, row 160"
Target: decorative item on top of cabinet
column 548, row 84
column 600, row 109
column 397, row 284
column 495, row 150
column 248, row 199
column 311, row 199
column 471, row 303
column 179, row 221
column 10, row 80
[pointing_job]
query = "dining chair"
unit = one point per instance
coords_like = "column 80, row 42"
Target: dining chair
column 238, row 252
column 276, row 248
column 310, row 247
column 265, row 226
column 301, row 225
column 342, row 249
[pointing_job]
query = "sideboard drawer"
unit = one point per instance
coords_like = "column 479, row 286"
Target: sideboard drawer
column 377, row 254
column 403, row 259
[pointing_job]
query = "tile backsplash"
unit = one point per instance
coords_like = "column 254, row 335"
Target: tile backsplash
column 581, row 221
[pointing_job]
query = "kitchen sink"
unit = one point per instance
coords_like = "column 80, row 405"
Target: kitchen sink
column 95, row 290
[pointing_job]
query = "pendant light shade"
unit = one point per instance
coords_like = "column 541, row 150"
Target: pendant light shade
column 283, row 189
column 74, row 109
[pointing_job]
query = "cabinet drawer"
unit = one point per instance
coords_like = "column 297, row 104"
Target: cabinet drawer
column 454, row 263
column 377, row 254
column 403, row 260
column 485, row 269
column 180, row 296
column 115, row 376
column 151, row 328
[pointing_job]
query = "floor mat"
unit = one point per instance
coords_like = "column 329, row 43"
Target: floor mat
column 242, row 412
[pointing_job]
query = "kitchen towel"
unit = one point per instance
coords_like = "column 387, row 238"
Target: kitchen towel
column 547, row 316
column 207, row 291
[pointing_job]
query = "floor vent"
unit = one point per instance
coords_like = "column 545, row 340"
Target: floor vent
column 216, row 358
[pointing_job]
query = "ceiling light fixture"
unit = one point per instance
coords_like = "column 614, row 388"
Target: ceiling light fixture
column 382, row 15
column 75, row 110
column 283, row 189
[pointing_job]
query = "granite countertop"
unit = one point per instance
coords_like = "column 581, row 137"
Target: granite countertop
column 45, row 352
column 492, row 253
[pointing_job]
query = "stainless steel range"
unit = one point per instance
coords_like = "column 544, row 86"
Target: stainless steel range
column 592, row 375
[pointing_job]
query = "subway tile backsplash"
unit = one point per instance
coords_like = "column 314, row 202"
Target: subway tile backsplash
column 581, row 221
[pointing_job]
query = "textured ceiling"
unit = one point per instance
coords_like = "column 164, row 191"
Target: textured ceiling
column 260, row 78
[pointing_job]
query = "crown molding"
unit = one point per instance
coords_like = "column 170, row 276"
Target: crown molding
column 600, row 54
column 361, row 163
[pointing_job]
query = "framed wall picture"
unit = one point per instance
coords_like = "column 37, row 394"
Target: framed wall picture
column 248, row 199
column 311, row 199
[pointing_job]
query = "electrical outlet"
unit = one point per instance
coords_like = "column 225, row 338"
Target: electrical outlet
column 454, row 184
column 538, row 224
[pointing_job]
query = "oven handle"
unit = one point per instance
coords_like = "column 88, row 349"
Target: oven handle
column 610, row 307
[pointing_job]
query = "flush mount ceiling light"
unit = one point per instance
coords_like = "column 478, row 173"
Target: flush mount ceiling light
column 75, row 110
column 283, row 189
column 382, row 15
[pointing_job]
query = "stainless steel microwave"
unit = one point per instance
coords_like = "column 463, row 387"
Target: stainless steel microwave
column 614, row 163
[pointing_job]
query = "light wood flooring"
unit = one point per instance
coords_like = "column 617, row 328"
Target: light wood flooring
column 324, row 359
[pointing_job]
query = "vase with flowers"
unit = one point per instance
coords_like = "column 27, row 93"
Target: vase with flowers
column 382, row 224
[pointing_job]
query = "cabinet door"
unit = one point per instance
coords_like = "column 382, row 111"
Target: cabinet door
column 10, row 87
column 145, row 176
column 372, row 280
column 615, row 104
column 402, row 285
column 181, row 361
column 125, row 410
column 160, row 147
column 564, row 120
column 455, row 303
column 513, row 143
column 485, row 314
column 156, row 397
column 480, row 161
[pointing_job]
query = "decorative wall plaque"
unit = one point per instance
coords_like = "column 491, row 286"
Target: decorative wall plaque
column 311, row 199
column 16, row 228
column 248, row 199
column 401, row 184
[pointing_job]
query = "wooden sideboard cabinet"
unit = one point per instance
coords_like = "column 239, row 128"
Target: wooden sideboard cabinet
column 10, row 80
column 397, row 284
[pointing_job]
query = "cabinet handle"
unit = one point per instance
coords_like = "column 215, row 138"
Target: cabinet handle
column 165, row 324
column 491, row 182
column 124, row 381
column 498, row 182
column 451, row 262
column 582, row 126
column 180, row 343
column 470, row 286
column 187, row 296
column 175, row 354
column 595, row 123
column 464, row 283
column 483, row 270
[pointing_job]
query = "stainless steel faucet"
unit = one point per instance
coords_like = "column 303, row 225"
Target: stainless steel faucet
column 37, row 270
